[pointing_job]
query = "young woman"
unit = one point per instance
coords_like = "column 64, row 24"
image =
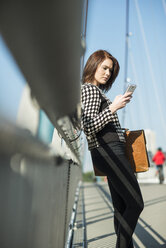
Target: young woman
column 106, row 142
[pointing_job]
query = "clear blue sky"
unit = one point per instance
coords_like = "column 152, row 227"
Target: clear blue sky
column 11, row 83
column 146, row 68
column 147, row 58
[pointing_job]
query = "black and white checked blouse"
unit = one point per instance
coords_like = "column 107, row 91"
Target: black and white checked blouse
column 99, row 124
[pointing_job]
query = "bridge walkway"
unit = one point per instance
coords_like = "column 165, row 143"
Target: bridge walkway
column 94, row 220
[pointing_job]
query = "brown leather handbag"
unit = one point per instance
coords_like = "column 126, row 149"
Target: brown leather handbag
column 136, row 152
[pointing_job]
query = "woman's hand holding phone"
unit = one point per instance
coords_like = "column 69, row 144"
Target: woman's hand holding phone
column 120, row 101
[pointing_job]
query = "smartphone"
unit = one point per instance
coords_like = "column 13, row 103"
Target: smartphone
column 131, row 88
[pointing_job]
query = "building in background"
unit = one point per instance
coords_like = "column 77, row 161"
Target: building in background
column 150, row 141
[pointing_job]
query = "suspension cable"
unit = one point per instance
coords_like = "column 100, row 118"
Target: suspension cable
column 126, row 57
column 150, row 68
column 133, row 66
column 164, row 6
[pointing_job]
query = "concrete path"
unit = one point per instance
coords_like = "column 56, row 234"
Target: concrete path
column 94, row 222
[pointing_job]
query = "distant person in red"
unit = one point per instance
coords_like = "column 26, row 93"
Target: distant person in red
column 159, row 159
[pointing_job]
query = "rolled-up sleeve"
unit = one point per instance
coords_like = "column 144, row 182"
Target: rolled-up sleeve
column 93, row 120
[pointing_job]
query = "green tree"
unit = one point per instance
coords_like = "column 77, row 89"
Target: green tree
column 89, row 177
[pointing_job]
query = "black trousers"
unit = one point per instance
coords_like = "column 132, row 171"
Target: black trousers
column 125, row 191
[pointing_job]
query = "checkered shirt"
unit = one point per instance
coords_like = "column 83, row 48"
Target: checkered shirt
column 93, row 120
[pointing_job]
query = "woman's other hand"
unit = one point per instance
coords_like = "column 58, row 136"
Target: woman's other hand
column 120, row 101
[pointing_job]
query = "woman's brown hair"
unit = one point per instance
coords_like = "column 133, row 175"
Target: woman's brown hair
column 91, row 66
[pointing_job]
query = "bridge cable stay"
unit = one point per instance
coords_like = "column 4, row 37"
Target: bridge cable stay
column 143, row 110
column 126, row 57
column 140, row 100
column 150, row 68
column 140, row 78
column 164, row 5
column 158, row 58
column 127, row 54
